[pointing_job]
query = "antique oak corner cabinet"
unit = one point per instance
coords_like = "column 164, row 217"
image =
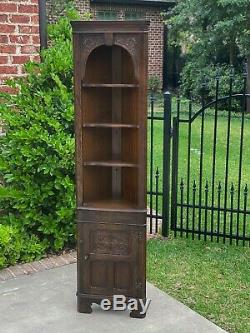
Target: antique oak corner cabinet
column 110, row 74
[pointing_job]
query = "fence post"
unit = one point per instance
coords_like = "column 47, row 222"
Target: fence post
column 166, row 163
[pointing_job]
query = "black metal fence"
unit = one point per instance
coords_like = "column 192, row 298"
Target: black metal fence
column 155, row 192
column 159, row 141
column 208, row 159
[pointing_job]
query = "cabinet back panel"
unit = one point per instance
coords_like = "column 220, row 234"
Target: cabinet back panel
column 97, row 183
column 97, row 144
column 130, row 106
column 129, row 147
column 99, row 66
column 130, row 185
column 97, row 105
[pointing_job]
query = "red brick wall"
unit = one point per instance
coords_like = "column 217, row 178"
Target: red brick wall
column 19, row 37
column 149, row 13
column 156, row 43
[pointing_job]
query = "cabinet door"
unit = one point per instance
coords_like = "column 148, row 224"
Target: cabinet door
column 108, row 259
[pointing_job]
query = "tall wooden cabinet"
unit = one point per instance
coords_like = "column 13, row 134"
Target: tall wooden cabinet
column 110, row 71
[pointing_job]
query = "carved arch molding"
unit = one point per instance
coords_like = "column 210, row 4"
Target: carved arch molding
column 126, row 41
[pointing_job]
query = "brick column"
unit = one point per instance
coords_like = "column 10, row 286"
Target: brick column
column 156, row 36
column 19, row 37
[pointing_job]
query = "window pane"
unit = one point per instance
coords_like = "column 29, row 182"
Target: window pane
column 106, row 15
column 133, row 16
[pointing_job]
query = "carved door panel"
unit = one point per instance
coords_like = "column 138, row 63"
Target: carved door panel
column 109, row 256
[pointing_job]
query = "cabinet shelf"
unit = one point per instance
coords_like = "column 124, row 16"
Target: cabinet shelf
column 109, row 125
column 110, row 204
column 109, row 85
column 118, row 164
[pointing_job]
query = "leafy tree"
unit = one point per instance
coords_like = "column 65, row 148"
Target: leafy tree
column 211, row 33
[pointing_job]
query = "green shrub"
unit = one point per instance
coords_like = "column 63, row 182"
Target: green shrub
column 37, row 153
column 16, row 247
column 154, row 84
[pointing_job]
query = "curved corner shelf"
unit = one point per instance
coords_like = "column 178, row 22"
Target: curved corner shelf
column 109, row 125
column 109, row 85
column 110, row 204
column 117, row 164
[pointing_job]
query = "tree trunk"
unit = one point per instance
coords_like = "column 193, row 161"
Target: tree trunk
column 231, row 54
column 232, row 51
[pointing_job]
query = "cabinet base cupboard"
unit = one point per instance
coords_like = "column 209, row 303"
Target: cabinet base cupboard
column 110, row 80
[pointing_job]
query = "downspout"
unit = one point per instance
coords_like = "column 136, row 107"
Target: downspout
column 248, row 83
column 43, row 24
column 165, row 58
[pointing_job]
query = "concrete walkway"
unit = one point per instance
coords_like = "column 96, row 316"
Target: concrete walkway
column 45, row 302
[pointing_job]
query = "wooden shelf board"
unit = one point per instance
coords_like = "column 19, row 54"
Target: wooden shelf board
column 110, row 204
column 111, row 163
column 109, row 85
column 110, row 125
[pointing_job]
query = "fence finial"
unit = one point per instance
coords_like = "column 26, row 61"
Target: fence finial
column 231, row 72
column 246, row 190
column 217, row 76
column 152, row 96
column 178, row 97
column 204, row 81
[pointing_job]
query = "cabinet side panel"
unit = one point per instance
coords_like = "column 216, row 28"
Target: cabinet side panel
column 78, row 118
column 142, row 179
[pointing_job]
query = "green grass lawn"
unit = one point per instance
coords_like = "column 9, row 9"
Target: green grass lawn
column 209, row 278
column 233, row 166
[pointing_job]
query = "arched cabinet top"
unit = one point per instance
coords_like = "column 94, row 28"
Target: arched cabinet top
column 126, row 34
column 126, row 42
column 101, row 63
